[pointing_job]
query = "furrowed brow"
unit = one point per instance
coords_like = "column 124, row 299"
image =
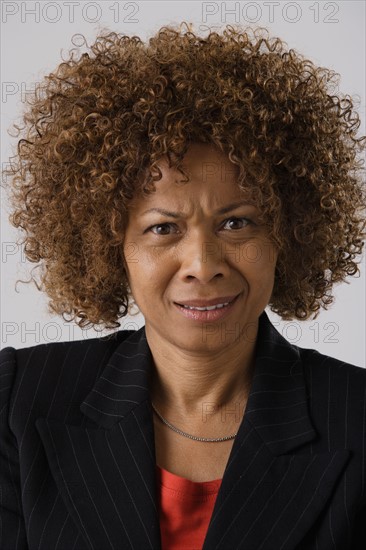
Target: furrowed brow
column 177, row 215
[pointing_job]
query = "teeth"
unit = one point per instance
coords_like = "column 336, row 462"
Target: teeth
column 218, row 306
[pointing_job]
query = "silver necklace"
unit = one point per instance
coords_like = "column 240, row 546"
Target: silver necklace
column 208, row 439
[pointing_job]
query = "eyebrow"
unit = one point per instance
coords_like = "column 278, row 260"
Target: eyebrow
column 176, row 215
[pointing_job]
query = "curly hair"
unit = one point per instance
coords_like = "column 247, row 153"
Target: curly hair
column 98, row 125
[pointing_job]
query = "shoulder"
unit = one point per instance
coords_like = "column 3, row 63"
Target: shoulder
column 61, row 372
column 327, row 368
column 337, row 379
column 37, row 356
column 336, row 391
column 55, row 356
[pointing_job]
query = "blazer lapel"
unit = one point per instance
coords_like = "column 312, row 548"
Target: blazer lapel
column 273, row 488
column 105, row 472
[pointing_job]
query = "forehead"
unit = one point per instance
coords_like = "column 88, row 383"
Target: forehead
column 212, row 180
column 202, row 162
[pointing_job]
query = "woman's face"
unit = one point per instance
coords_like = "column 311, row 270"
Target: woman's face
column 197, row 252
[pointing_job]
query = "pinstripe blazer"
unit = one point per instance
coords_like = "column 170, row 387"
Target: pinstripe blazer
column 78, row 455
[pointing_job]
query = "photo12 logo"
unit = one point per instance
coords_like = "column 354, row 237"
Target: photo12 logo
column 33, row 333
column 71, row 12
column 269, row 12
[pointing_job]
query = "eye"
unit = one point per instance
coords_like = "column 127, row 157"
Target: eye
column 159, row 225
column 245, row 220
column 166, row 225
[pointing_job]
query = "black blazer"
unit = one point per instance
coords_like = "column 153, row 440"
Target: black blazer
column 78, row 457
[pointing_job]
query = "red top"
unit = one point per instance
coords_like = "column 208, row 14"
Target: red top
column 185, row 509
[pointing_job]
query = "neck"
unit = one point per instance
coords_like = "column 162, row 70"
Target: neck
column 202, row 382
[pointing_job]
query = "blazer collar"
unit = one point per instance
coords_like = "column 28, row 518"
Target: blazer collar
column 277, row 402
column 123, row 384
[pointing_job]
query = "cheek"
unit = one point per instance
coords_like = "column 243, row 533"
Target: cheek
column 148, row 277
column 258, row 265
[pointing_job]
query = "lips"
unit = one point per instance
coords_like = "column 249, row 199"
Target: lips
column 208, row 315
column 200, row 302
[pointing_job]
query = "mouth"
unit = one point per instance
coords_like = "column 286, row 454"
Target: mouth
column 200, row 304
column 207, row 313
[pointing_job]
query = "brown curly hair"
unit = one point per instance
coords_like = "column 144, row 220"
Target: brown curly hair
column 99, row 123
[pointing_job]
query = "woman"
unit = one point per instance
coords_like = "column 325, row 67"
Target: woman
column 206, row 179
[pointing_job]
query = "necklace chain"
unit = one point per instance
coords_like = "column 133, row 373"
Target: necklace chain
column 208, row 439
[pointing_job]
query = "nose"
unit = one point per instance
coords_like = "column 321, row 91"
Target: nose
column 203, row 259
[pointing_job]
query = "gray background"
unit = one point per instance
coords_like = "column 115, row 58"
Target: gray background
column 35, row 38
